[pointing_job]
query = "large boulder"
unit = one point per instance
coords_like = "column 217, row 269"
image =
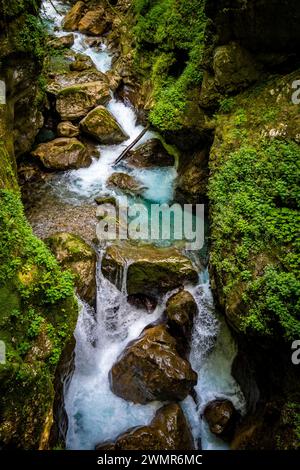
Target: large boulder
column 102, row 126
column 148, row 155
column 63, row 154
column 168, row 430
column 93, row 22
column 151, row 270
column 71, row 20
column 222, row 417
column 76, row 101
column 180, row 311
column 126, row 183
column 151, row 369
column 73, row 253
column 59, row 80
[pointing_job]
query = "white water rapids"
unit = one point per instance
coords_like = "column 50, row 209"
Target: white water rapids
column 95, row 413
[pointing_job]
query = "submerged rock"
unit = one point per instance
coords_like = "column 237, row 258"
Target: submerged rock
column 76, row 101
column 151, row 369
column 72, row 18
column 222, row 417
column 168, row 430
column 150, row 154
column 63, row 154
column 102, row 126
column 73, row 253
column 151, row 270
column 128, row 184
column 67, row 129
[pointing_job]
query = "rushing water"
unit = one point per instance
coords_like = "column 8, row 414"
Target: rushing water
column 95, row 413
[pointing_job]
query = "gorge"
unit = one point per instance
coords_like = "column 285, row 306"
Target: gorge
column 174, row 349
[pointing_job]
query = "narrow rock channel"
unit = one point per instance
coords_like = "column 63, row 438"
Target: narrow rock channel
column 112, row 327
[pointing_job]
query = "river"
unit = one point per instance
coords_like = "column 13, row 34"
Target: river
column 95, row 413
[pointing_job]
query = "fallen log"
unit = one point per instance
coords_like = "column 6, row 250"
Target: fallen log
column 125, row 151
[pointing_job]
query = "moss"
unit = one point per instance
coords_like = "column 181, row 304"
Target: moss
column 38, row 313
column 255, row 199
column 170, row 39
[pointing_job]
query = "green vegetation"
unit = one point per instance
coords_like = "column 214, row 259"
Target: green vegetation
column 255, row 220
column 170, row 42
column 32, row 37
column 38, row 313
column 12, row 8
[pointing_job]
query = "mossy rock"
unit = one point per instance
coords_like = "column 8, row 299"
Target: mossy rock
column 151, row 270
column 254, row 203
column 63, row 154
column 76, row 101
column 76, row 255
column 38, row 314
column 102, row 126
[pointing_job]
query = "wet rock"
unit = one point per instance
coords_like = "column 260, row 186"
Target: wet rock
column 150, row 154
column 71, row 20
column 193, row 178
column 93, row 42
column 94, row 22
column 151, row 271
column 67, row 129
column 128, row 184
column 221, row 417
column 61, row 80
column 106, row 446
column 81, row 63
column 105, row 200
column 180, row 311
column 62, row 154
column 151, row 369
column 75, row 102
column 168, row 430
column 62, row 42
column 73, row 253
column 141, row 301
column 102, row 126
